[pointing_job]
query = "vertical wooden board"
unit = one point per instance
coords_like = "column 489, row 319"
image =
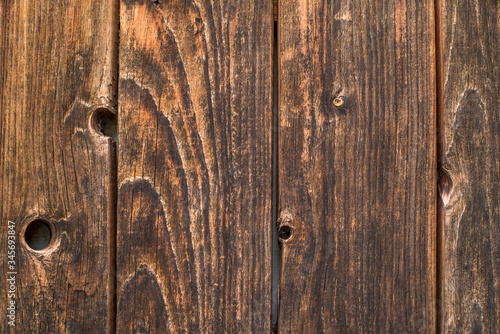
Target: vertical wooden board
column 470, row 185
column 194, row 178
column 357, row 166
column 56, row 65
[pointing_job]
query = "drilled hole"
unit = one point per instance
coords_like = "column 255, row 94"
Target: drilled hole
column 105, row 122
column 38, row 234
column 285, row 232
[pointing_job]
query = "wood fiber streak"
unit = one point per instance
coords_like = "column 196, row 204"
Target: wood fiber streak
column 471, row 182
column 357, row 183
column 56, row 64
column 194, row 177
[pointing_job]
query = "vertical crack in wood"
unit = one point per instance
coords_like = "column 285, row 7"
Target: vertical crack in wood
column 112, row 238
column 114, row 22
column 440, row 153
column 275, row 10
column 276, row 251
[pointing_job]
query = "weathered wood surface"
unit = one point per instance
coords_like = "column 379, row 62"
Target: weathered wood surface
column 56, row 64
column 470, row 36
column 194, row 176
column 357, row 182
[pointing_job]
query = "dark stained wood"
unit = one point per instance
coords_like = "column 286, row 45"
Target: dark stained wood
column 471, row 182
column 57, row 64
column 194, row 176
column 357, row 166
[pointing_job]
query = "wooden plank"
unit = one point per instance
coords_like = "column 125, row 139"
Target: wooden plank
column 194, row 195
column 470, row 102
column 56, row 66
column 357, row 166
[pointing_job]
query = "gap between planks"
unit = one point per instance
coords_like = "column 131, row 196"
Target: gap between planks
column 114, row 23
column 440, row 174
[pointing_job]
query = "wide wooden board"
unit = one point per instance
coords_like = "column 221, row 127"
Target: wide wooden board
column 57, row 65
column 470, row 37
column 194, row 177
column 357, row 166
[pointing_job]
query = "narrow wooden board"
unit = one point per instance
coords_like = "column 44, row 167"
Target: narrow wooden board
column 470, row 185
column 357, row 183
column 56, row 65
column 194, row 177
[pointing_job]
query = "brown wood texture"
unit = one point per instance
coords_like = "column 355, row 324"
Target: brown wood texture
column 56, row 65
column 194, row 176
column 470, row 37
column 357, row 166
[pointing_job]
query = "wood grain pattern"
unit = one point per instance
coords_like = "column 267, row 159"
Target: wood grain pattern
column 470, row 37
column 57, row 64
column 357, row 182
column 194, row 196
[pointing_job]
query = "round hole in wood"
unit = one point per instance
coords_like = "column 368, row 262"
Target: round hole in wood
column 104, row 122
column 285, row 232
column 38, row 234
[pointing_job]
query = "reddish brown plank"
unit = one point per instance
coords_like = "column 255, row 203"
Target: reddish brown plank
column 56, row 66
column 357, row 166
column 470, row 37
column 194, row 198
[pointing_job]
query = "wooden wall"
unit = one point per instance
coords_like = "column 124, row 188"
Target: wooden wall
column 140, row 134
